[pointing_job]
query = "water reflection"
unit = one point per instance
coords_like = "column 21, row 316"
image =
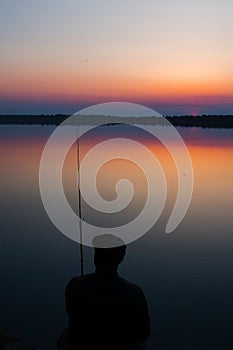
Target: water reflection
column 186, row 276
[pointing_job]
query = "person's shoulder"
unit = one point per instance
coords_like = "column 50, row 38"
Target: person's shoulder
column 134, row 288
column 80, row 280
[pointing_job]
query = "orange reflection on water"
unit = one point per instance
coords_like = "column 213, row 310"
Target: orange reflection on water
column 212, row 165
column 213, row 169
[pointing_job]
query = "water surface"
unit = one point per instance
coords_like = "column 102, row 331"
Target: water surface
column 186, row 276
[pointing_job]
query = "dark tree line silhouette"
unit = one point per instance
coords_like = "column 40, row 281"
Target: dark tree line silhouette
column 205, row 121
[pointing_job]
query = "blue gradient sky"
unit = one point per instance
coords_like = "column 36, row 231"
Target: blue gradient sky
column 59, row 56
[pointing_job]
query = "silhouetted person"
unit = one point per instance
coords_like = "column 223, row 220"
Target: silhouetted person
column 105, row 311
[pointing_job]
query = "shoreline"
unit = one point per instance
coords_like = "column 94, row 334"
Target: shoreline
column 204, row 121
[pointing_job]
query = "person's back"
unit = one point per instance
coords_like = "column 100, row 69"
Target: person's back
column 105, row 311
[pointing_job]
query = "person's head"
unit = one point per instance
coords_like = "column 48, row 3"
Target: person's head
column 109, row 251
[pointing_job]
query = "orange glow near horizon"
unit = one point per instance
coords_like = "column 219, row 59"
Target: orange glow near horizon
column 164, row 81
column 70, row 87
column 165, row 53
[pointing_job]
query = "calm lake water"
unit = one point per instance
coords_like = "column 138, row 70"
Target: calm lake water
column 186, row 276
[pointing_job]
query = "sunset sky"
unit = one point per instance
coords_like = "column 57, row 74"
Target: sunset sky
column 173, row 55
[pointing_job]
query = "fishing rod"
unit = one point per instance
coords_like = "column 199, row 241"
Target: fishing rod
column 79, row 206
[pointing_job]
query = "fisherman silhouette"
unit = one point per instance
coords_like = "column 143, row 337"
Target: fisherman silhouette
column 105, row 311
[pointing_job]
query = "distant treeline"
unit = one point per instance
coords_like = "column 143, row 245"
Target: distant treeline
column 205, row 121
column 43, row 119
